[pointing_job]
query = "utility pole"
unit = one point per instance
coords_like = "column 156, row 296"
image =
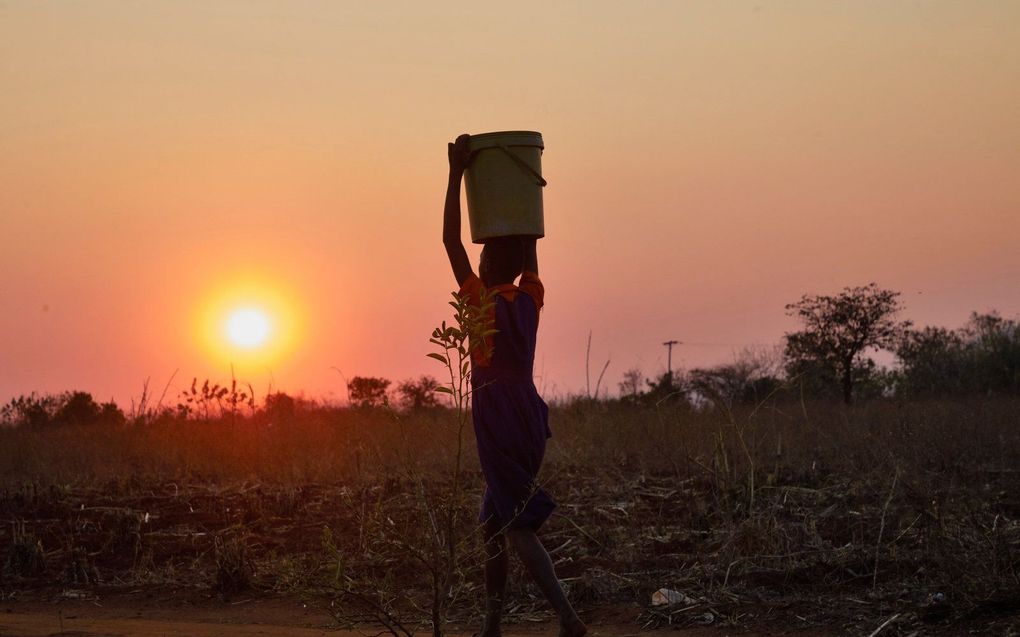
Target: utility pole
column 669, row 358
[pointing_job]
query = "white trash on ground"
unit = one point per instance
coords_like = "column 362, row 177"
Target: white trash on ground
column 669, row 597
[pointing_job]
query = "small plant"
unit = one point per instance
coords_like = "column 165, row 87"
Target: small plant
column 211, row 400
column 79, row 569
column 233, row 567
column 25, row 557
column 363, row 602
column 458, row 344
column 433, row 536
column 123, row 529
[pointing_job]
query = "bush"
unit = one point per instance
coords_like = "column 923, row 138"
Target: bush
column 416, row 395
column 752, row 377
column 368, row 391
column 32, row 411
column 280, row 407
column 68, row 408
column 981, row 357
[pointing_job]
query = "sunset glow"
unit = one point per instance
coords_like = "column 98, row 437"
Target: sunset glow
column 249, row 321
column 715, row 163
column 248, row 328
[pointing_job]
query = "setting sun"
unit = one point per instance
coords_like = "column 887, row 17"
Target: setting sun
column 251, row 319
column 248, row 328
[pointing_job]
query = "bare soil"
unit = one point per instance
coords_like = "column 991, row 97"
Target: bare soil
column 165, row 614
column 792, row 519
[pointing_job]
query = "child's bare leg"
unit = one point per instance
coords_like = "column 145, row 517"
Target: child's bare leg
column 496, row 566
column 536, row 559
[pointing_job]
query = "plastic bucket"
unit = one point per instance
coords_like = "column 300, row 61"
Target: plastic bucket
column 504, row 185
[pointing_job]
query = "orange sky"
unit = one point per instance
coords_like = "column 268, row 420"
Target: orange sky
column 707, row 162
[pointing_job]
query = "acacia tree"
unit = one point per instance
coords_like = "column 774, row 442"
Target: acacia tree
column 416, row 395
column 368, row 391
column 839, row 329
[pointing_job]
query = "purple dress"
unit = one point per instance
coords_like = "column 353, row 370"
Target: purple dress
column 511, row 420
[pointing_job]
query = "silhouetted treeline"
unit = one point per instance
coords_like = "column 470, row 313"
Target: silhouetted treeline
column 66, row 408
column 982, row 357
column 829, row 358
column 209, row 401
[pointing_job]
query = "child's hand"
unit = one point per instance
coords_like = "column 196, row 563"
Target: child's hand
column 459, row 152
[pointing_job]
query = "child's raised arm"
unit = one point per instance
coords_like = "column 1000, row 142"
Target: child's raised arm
column 531, row 255
column 459, row 154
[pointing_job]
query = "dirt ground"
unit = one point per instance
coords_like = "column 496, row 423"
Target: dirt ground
column 900, row 519
column 143, row 614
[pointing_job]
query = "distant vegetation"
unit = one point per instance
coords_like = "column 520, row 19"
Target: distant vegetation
column 67, row 408
column 830, row 358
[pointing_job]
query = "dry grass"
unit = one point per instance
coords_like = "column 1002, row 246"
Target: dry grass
column 792, row 514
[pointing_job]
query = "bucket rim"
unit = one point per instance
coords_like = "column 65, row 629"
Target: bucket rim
column 516, row 138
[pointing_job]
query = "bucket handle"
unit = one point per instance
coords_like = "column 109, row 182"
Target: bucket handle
column 524, row 166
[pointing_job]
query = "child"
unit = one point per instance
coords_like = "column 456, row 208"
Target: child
column 510, row 418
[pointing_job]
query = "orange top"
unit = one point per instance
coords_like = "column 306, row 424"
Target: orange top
column 530, row 284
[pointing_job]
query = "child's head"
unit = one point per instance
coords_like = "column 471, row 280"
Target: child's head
column 502, row 260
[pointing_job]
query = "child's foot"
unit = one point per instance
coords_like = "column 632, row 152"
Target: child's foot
column 575, row 628
column 490, row 628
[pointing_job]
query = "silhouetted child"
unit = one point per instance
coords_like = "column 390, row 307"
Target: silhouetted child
column 510, row 418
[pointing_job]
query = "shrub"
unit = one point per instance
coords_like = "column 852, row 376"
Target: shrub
column 981, row 357
column 368, row 391
column 67, row 408
column 416, row 395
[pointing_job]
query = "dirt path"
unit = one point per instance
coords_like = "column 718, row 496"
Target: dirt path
column 170, row 612
column 38, row 625
column 15, row 624
column 85, row 620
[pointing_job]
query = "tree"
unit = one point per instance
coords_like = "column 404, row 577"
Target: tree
column 34, row 410
column 630, row 386
column 933, row 361
column 839, row 330
column 66, row 408
column 750, row 378
column 368, row 391
column 981, row 357
column 994, row 346
column 667, row 388
column 416, row 395
column 280, row 407
column 79, row 408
